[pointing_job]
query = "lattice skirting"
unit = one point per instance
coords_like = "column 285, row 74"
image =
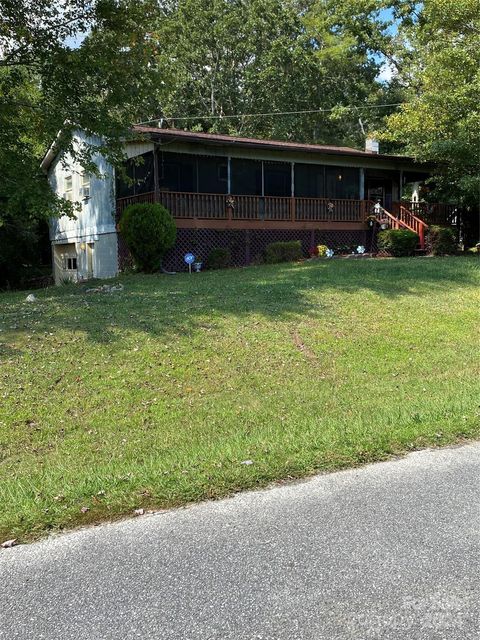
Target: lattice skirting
column 248, row 245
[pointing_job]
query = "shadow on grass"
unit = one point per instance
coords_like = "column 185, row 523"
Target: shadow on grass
column 169, row 306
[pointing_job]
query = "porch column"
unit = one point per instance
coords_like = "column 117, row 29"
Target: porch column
column 156, row 183
column 362, row 184
column 292, row 191
column 229, row 175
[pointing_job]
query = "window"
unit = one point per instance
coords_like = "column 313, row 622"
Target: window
column 68, row 188
column 70, row 263
column 85, row 186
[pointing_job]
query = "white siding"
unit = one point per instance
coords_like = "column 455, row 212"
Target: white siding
column 95, row 222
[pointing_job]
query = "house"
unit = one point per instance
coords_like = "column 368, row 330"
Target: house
column 234, row 192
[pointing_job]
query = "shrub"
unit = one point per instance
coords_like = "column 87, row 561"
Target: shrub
column 398, row 242
column 322, row 250
column 219, row 259
column 283, row 251
column 149, row 231
column 440, row 241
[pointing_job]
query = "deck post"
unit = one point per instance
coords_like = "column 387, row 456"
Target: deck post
column 292, row 191
column 156, row 184
column 362, row 184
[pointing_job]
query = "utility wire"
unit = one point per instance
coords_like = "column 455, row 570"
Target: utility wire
column 272, row 113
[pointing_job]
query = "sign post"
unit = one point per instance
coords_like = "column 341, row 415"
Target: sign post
column 189, row 258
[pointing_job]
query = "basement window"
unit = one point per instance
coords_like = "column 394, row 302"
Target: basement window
column 71, row 263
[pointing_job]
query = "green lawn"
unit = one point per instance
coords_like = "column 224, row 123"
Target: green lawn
column 154, row 396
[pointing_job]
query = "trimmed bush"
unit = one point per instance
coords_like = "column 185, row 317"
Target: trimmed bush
column 219, row 259
column 398, row 242
column 440, row 241
column 283, row 251
column 149, row 231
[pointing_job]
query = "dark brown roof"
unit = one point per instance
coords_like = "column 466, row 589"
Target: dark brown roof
column 215, row 138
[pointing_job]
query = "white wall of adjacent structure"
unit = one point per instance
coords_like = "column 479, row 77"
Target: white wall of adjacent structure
column 88, row 242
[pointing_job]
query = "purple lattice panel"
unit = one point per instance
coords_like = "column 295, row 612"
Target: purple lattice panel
column 124, row 256
column 201, row 241
column 248, row 245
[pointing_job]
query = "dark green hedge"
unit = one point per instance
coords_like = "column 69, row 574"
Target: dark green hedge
column 283, row 251
column 440, row 241
column 149, row 231
column 398, row 242
column 219, row 259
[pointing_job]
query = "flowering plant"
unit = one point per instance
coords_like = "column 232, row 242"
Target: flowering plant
column 322, row 250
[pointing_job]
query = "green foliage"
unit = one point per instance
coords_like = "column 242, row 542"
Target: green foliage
column 219, row 259
column 283, row 251
column 264, row 56
column 398, row 242
column 441, row 241
column 64, row 65
column 149, row 231
column 440, row 121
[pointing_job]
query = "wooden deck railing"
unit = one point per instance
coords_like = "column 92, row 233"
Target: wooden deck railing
column 431, row 212
column 404, row 219
column 213, row 206
column 337, row 210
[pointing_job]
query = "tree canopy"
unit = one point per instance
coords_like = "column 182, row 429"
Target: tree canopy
column 222, row 58
column 439, row 68
column 63, row 65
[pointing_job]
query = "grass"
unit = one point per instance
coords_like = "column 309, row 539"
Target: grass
column 154, row 396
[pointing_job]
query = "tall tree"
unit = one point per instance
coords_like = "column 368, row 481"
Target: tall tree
column 440, row 120
column 63, row 65
column 228, row 57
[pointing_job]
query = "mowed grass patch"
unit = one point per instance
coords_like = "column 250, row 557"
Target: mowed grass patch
column 155, row 396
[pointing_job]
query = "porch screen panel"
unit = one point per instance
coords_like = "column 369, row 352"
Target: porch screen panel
column 177, row 172
column 144, row 174
column 309, row 181
column 277, row 178
column 125, row 188
column 342, row 182
column 246, row 177
column 212, row 174
column 139, row 172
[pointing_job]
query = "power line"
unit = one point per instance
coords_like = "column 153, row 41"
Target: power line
column 271, row 113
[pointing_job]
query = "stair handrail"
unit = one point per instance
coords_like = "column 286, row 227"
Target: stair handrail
column 418, row 225
column 395, row 222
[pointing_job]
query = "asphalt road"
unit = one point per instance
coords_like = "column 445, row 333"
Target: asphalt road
column 391, row 550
